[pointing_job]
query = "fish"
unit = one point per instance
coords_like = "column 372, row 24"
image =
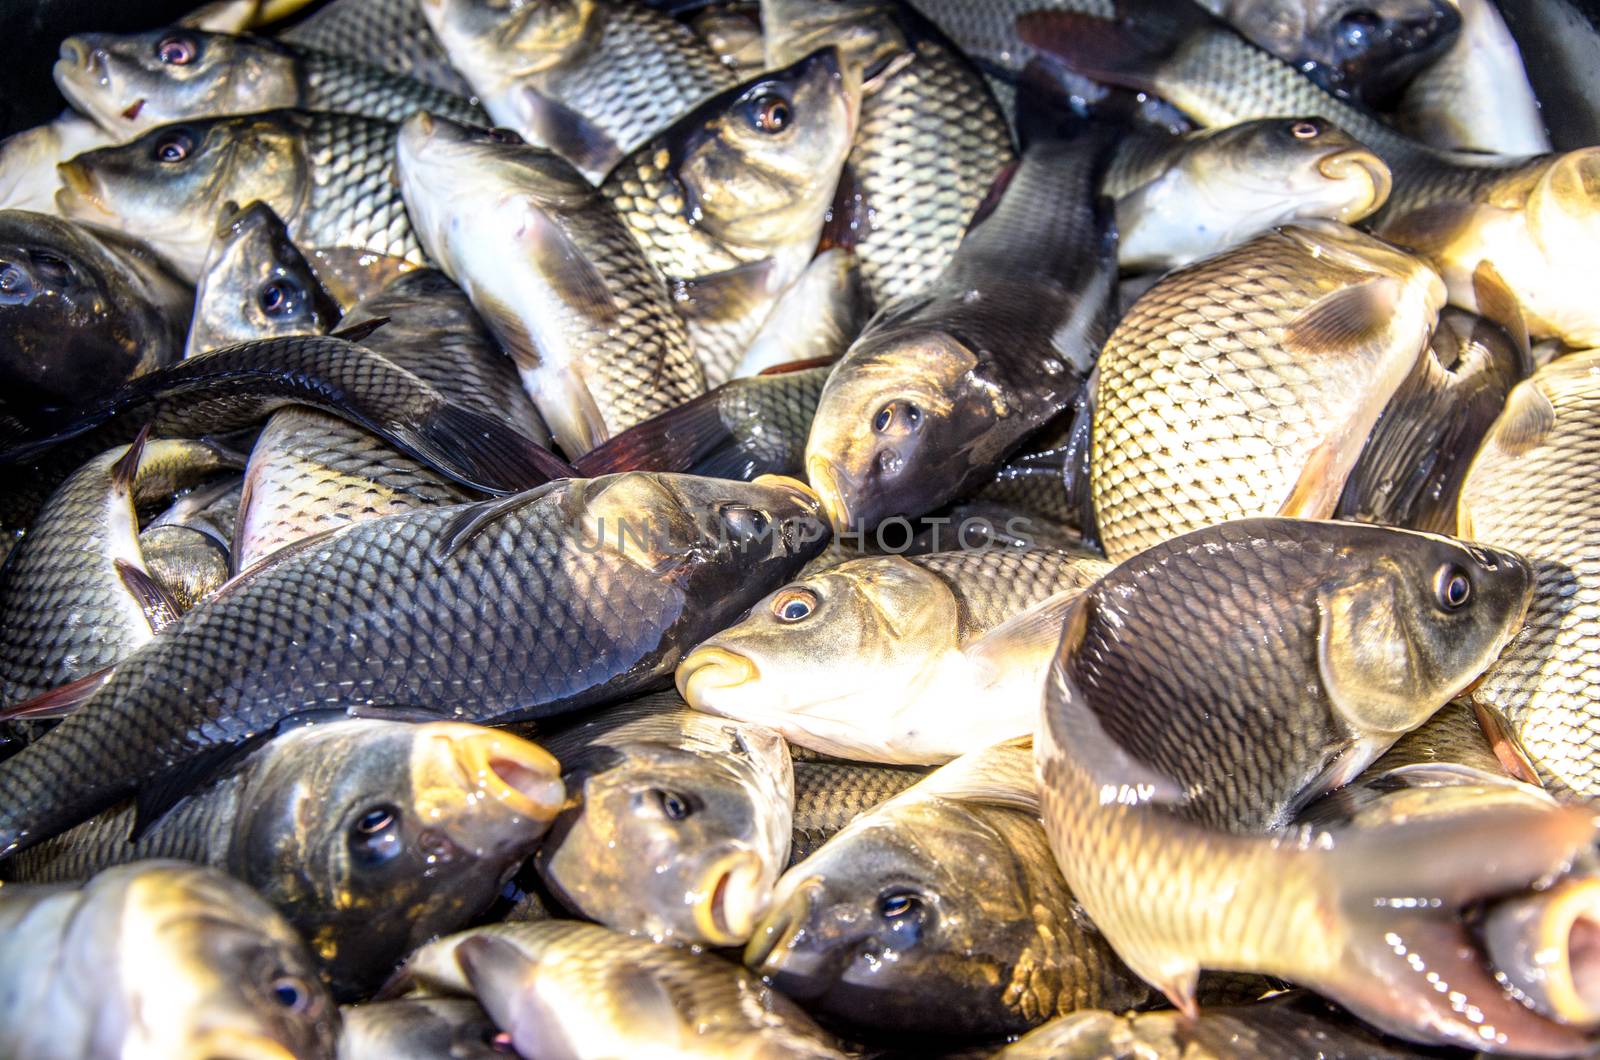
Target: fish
column 1564, row 40
column 815, row 320
column 1368, row 50
column 420, row 1029
column 930, row 143
column 677, row 824
column 1183, row 198
column 1521, row 223
column 1308, row 331
column 355, row 606
column 187, row 562
column 1170, row 849
column 1528, row 489
column 393, row 34
column 255, row 284
column 76, row 595
column 1476, row 96
column 88, row 968
column 942, row 387
column 1292, row 1025
column 80, row 313
column 885, row 928
column 729, row 202
column 328, row 176
column 1543, row 944
column 904, row 661
column 370, row 836
column 733, row 33
column 829, row 794
column 28, row 160
column 559, row 987
column 1415, row 460
column 590, row 80
column 130, row 83
column 588, row 321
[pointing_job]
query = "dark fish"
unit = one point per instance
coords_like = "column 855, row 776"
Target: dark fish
column 424, row 1028
column 398, row 613
column 1476, row 96
column 829, row 794
column 394, row 34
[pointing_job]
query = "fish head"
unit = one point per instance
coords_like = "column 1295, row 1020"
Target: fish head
column 1409, row 620
column 667, row 841
column 133, row 82
column 375, row 835
column 508, row 39
column 215, row 971
column 866, row 32
column 887, row 926
column 1547, row 944
column 168, row 186
column 1563, row 208
column 758, row 164
column 256, row 284
column 897, row 425
column 1308, row 164
column 838, row 649
column 423, row 1028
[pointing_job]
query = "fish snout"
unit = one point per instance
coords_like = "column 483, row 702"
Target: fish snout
column 733, row 894
column 708, row 671
column 1547, row 946
column 830, row 488
column 512, row 772
column 774, row 938
column 1359, row 164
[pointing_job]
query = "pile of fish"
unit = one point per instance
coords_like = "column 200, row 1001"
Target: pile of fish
column 819, row 528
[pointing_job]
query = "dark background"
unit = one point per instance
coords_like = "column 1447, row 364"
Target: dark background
column 1559, row 38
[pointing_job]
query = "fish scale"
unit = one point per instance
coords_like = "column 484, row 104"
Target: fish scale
column 354, row 200
column 347, row 84
column 829, row 794
column 392, row 33
column 994, row 584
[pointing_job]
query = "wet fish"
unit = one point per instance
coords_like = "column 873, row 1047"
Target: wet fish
column 677, row 823
column 829, row 794
column 255, row 284
column 1293, row 1026
column 591, row 80
column 733, row 33
column 28, row 160
column 884, row 928
column 1529, row 489
column 420, row 1029
column 893, row 659
column 1373, row 629
column 556, row 274
column 815, row 320
column 930, row 143
column 943, row 386
column 1365, row 49
column 394, row 34
column 1183, row 198
column 157, row 959
column 328, row 176
column 1476, row 96
column 1246, row 384
column 1416, row 458
column 728, row 203
column 370, row 836
column 189, row 563
column 394, row 612
column 76, row 595
column 581, row 990
column 1544, row 944
column 80, row 313
column 131, row 83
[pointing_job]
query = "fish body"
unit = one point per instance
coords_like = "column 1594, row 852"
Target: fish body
column 815, row 320
column 418, row 1029
column 592, row 81
column 678, row 822
column 587, row 320
column 943, row 386
column 354, row 620
column 28, row 160
column 189, row 563
column 829, row 794
column 728, row 203
column 1247, row 383
column 391, row 33
column 1476, row 96
column 330, row 177
column 893, row 659
column 132, row 83
column 88, row 968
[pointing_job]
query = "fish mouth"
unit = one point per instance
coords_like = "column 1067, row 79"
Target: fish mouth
column 1547, row 947
column 519, row 775
column 727, row 910
column 774, row 937
column 825, row 481
column 78, row 195
column 1359, row 163
column 708, row 671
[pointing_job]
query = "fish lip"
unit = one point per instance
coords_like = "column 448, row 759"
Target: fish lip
column 825, row 479
column 697, row 674
column 723, row 916
column 1567, row 921
column 78, row 191
column 779, row 928
column 1354, row 161
column 519, row 775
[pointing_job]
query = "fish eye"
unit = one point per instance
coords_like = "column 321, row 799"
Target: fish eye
column 51, row 268
column 173, row 146
column 276, row 299
column 291, row 992
column 177, row 51
column 771, row 113
column 675, row 806
column 898, row 904
column 1453, row 587
column 1354, row 30
column 745, row 523
column 502, row 135
column 1304, row 130
column 375, row 837
column 794, row 605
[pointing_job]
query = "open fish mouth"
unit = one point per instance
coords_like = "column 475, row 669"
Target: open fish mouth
column 1356, row 163
column 727, row 910
column 709, row 671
